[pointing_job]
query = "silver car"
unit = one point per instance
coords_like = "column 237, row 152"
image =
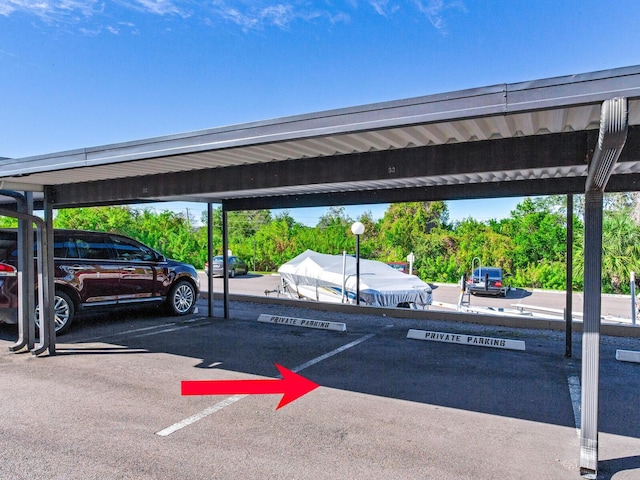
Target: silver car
column 236, row 266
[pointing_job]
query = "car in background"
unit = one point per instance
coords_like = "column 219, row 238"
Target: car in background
column 96, row 271
column 400, row 266
column 235, row 266
column 487, row 281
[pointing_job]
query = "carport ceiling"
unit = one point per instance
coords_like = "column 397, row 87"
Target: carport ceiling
column 509, row 139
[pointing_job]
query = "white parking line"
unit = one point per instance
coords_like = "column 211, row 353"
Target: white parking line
column 199, row 416
column 135, row 330
column 333, row 352
column 231, row 400
column 173, row 329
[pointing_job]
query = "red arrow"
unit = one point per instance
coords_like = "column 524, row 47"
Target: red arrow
column 292, row 386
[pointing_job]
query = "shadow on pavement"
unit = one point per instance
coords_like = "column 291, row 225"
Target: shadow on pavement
column 529, row 385
column 513, row 294
column 516, row 293
column 607, row 469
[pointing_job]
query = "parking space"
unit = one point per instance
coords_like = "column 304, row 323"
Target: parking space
column 108, row 406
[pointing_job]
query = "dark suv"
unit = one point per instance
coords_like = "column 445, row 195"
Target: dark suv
column 101, row 270
column 487, row 281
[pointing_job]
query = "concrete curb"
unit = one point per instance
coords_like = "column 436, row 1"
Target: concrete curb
column 541, row 290
column 498, row 321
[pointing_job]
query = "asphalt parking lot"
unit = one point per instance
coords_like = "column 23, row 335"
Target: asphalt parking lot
column 109, row 404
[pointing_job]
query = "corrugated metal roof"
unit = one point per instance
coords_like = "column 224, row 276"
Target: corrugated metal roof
column 559, row 105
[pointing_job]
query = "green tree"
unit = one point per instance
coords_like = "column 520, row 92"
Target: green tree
column 335, row 216
column 8, row 222
column 437, row 257
column 168, row 232
column 405, row 226
column 277, row 242
column 332, row 235
column 538, row 235
column 477, row 240
column 370, row 241
column 530, row 243
column 242, row 227
column 620, row 251
column 103, row 219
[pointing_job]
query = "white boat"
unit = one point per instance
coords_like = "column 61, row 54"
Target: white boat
column 332, row 278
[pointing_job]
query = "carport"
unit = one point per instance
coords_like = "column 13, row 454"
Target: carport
column 568, row 135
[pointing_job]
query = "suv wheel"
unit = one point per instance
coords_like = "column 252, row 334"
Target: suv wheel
column 232, row 273
column 64, row 312
column 182, row 298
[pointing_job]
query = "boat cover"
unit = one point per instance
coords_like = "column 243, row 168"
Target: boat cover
column 380, row 284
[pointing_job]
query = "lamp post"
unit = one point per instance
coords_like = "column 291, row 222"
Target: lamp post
column 411, row 258
column 358, row 229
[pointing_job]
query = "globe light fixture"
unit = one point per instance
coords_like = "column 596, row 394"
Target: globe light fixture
column 357, row 228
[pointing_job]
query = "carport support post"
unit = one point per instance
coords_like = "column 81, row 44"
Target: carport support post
column 50, row 269
column 26, row 273
column 28, row 313
column 591, row 332
column 45, row 282
column 225, row 261
column 209, row 257
column 26, row 329
column 46, row 292
column 569, row 284
column 632, row 286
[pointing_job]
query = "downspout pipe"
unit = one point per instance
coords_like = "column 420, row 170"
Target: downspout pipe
column 611, row 139
column 614, row 125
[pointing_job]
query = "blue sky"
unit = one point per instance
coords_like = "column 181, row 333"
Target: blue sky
column 78, row 74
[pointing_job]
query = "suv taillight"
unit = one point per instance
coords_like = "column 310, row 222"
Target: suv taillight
column 7, row 270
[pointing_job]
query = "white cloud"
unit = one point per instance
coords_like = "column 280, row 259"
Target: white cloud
column 251, row 15
column 56, row 9
column 7, row 54
column 278, row 15
column 50, row 10
column 162, row 7
column 90, row 32
column 435, row 10
column 93, row 16
column 383, row 7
